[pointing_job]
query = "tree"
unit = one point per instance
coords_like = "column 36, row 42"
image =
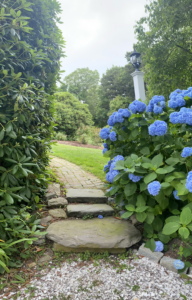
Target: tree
column 71, row 113
column 116, row 82
column 92, row 100
column 166, row 45
column 80, row 81
column 118, row 102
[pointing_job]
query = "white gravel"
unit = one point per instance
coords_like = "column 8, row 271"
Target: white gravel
column 140, row 279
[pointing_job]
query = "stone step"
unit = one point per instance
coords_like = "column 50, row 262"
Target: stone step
column 95, row 235
column 80, row 210
column 86, row 196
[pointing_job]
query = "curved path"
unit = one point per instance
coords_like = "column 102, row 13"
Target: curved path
column 73, row 176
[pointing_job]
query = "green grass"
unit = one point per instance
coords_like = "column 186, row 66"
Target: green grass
column 88, row 159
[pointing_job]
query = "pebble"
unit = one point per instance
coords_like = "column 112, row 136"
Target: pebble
column 141, row 280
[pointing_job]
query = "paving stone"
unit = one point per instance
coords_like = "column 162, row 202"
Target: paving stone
column 86, row 196
column 54, row 188
column 57, row 202
column 81, row 210
column 108, row 234
column 154, row 256
column 50, row 195
column 46, row 220
column 167, row 262
column 134, row 220
column 40, row 240
column 58, row 213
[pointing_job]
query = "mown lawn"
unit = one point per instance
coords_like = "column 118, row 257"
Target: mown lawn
column 88, row 159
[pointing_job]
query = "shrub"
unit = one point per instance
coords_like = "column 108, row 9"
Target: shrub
column 71, row 113
column 150, row 165
column 30, row 49
column 59, row 136
column 88, row 135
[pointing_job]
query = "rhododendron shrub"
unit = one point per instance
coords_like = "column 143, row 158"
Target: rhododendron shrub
column 150, row 165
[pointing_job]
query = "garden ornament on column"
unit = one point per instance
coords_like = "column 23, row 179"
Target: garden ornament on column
column 139, row 87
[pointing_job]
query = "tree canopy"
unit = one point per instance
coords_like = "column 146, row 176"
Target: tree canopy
column 118, row 102
column 80, row 81
column 164, row 39
column 116, row 82
column 71, row 113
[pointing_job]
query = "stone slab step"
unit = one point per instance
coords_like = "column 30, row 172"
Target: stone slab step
column 96, row 235
column 86, row 196
column 80, row 210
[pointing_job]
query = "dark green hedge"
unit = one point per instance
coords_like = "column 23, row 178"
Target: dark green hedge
column 30, row 50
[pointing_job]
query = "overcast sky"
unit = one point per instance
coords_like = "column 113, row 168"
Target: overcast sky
column 98, row 33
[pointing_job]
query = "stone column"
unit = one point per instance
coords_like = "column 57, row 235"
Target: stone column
column 139, row 85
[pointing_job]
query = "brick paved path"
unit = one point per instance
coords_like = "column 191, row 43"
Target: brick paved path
column 73, row 176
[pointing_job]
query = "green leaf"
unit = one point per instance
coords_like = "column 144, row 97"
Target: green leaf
column 130, row 207
column 145, row 151
column 141, row 216
column 186, row 216
column 157, row 160
column 113, row 191
column 130, row 189
column 2, row 133
column 147, row 166
column 184, row 232
column 140, row 201
column 127, row 214
column 172, row 161
column 8, row 199
column 157, row 224
column 150, row 218
column 165, row 185
column 148, row 228
column 128, row 162
column 150, row 244
column 189, row 226
column 170, row 228
column 8, row 127
column 161, row 171
column 164, row 203
column 174, row 219
column 150, row 177
column 143, row 186
column 118, row 176
column 163, row 238
column 141, row 209
column 120, row 165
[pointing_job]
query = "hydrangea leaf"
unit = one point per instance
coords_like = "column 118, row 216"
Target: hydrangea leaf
column 157, row 224
column 130, row 207
column 143, row 186
column 161, row 171
column 127, row 214
column 141, row 216
column 157, row 160
column 141, row 209
column 148, row 228
column 150, row 217
column 130, row 189
column 145, row 151
column 186, row 216
column 184, row 232
column 140, row 201
column 163, row 238
column 165, row 185
column 172, row 161
column 150, row 244
column 171, row 228
column 119, row 165
column 150, row 177
column 173, row 219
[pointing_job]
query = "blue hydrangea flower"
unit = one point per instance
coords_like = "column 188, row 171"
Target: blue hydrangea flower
column 118, row 118
column 187, row 151
column 112, row 136
column 134, row 178
column 178, row 264
column 117, row 158
column 110, row 121
column 184, row 116
column 100, row 216
column 155, row 103
column 175, row 195
column 189, row 182
column 175, row 93
column 104, row 133
column 104, row 150
column 158, row 128
column 111, row 175
column 112, row 166
column 157, row 109
column 159, row 246
column 176, row 101
column 137, row 107
column 124, row 112
column 154, row 188
column 105, row 145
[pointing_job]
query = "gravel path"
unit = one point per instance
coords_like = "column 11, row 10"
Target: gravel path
column 136, row 279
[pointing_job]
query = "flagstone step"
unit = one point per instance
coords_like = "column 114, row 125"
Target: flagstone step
column 95, row 235
column 85, row 196
column 80, row 210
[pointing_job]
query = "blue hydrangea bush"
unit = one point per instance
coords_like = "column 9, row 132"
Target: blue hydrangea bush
column 150, row 165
